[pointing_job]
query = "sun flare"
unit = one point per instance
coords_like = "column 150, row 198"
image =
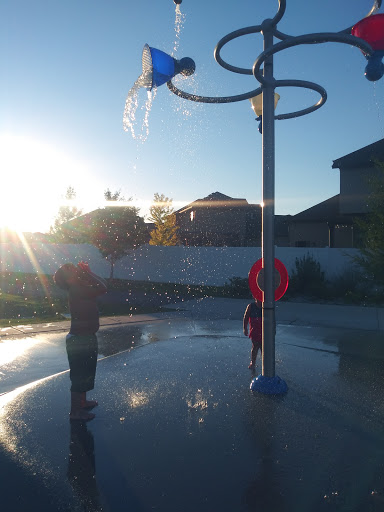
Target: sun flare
column 34, row 177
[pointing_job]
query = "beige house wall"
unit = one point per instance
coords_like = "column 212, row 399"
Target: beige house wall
column 214, row 224
column 355, row 189
column 343, row 236
column 312, row 234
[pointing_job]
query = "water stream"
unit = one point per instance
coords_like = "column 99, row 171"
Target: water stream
column 132, row 104
column 130, row 120
column 179, row 23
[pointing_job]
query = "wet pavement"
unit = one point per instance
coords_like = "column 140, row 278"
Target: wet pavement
column 178, row 428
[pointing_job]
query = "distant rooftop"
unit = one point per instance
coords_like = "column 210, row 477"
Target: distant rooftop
column 218, row 198
column 326, row 211
column 364, row 157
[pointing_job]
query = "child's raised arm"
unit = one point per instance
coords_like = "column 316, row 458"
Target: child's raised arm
column 91, row 278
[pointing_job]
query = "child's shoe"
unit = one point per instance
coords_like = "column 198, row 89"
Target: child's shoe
column 251, row 366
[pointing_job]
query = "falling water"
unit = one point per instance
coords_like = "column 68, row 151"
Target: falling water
column 132, row 102
column 179, row 23
column 131, row 106
column 185, row 108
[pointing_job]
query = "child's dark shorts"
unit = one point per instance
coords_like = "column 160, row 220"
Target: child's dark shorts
column 82, row 359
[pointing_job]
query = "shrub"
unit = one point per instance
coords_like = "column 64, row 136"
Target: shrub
column 238, row 287
column 307, row 278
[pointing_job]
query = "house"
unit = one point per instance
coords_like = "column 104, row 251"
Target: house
column 356, row 171
column 321, row 225
column 219, row 220
column 332, row 223
column 215, row 220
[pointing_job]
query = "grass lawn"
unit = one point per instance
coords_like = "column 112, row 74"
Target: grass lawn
column 35, row 298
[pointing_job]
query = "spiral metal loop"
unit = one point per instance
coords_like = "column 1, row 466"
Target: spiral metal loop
column 285, row 43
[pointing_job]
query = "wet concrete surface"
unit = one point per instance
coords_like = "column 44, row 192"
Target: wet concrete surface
column 24, row 359
column 33, row 351
column 178, row 428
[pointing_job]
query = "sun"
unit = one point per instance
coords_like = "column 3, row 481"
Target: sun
column 34, row 177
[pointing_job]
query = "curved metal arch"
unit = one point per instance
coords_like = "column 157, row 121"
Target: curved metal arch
column 240, row 97
column 305, row 85
column 324, row 37
column 279, row 35
column 210, row 99
column 242, row 32
column 229, row 37
column 280, row 12
column 287, row 42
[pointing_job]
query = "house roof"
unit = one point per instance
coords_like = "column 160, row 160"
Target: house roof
column 326, row 211
column 215, row 199
column 364, row 157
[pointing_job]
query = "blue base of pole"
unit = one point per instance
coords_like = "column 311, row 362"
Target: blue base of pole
column 269, row 385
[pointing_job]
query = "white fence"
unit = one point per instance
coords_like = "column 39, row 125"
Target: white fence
column 187, row 265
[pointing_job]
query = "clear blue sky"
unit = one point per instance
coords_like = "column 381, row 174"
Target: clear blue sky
column 67, row 67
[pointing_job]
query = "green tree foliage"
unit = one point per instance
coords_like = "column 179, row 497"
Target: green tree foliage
column 371, row 230
column 165, row 232
column 65, row 214
column 117, row 229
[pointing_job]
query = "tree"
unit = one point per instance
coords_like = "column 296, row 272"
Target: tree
column 114, row 196
column 371, row 230
column 65, row 214
column 165, row 232
column 116, row 230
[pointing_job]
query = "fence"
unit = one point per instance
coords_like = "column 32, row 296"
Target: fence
column 188, row 265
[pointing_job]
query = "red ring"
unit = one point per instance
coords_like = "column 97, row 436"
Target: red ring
column 284, row 279
column 252, row 280
column 257, row 292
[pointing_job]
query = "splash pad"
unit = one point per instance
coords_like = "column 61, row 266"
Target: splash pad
column 359, row 36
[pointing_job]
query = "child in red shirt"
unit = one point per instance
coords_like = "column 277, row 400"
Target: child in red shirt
column 253, row 317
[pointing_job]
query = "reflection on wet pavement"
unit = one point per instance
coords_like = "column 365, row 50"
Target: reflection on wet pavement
column 177, row 427
column 26, row 359
column 81, row 466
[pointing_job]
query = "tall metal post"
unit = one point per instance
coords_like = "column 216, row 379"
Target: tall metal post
column 268, row 215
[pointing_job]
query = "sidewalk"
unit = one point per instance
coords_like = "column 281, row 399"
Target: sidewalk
column 64, row 325
column 294, row 313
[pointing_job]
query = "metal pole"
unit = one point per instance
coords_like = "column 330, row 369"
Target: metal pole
column 268, row 216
